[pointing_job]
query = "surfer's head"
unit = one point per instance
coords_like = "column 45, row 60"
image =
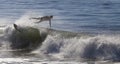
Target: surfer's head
column 51, row 16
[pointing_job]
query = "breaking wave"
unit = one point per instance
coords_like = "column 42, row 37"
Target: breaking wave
column 82, row 46
column 61, row 44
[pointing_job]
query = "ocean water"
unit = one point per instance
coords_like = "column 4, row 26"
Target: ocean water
column 90, row 16
column 82, row 32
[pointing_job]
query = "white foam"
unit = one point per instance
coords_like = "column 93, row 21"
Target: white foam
column 11, row 60
column 76, row 47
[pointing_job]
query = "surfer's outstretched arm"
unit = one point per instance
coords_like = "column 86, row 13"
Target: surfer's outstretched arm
column 39, row 21
column 50, row 23
column 39, row 18
column 35, row 18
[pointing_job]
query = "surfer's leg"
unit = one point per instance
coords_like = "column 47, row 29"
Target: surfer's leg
column 39, row 21
column 32, row 18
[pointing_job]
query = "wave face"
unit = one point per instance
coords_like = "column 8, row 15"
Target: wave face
column 64, row 45
column 27, row 39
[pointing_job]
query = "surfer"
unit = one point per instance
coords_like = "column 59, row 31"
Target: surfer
column 44, row 18
column 16, row 27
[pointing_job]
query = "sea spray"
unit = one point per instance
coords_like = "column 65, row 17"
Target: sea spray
column 30, row 36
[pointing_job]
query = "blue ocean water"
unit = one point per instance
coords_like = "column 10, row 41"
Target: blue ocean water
column 69, row 15
column 60, row 44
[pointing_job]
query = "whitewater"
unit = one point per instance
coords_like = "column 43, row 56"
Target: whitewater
column 57, row 46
